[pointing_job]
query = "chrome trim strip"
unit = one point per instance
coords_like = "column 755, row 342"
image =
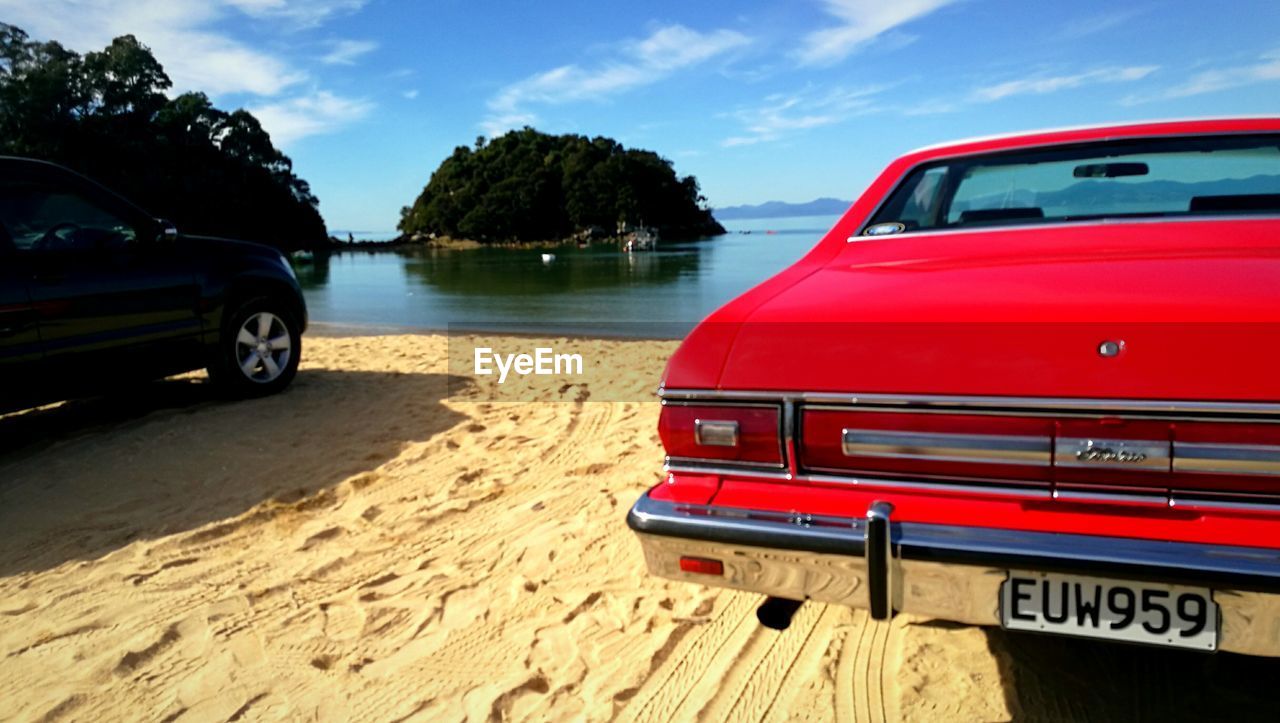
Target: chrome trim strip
column 1213, row 457
column 1041, row 413
column 702, row 401
column 1148, row 406
column 1127, row 126
column 1074, row 495
column 1188, row 500
column 861, row 236
column 1000, row 489
column 1028, row 490
column 790, row 448
column 947, row 447
column 1138, row 455
column 1245, row 568
column 724, row 467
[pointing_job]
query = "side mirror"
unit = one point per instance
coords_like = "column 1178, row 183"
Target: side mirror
column 165, row 230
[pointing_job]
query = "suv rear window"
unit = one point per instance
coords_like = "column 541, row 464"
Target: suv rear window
column 1219, row 175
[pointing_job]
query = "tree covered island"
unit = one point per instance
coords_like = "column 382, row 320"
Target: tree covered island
column 528, row 186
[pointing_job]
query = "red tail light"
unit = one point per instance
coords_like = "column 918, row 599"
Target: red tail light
column 1184, row 459
column 946, row 445
column 1226, row 457
column 728, row 433
column 1112, row 453
column 701, row 566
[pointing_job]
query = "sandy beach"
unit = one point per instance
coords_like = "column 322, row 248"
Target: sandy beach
column 367, row 546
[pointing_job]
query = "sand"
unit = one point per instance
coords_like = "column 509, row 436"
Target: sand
column 366, row 547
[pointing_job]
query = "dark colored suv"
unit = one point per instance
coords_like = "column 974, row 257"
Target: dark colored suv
column 95, row 292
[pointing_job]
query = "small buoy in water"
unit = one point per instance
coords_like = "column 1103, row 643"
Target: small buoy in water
column 548, row 258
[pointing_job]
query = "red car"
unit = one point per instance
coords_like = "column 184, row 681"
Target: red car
column 1028, row 381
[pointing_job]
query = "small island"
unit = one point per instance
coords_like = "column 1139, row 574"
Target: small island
column 528, row 187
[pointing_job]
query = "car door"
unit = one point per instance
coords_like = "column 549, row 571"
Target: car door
column 19, row 333
column 116, row 299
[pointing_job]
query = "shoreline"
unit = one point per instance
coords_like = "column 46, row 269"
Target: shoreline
column 334, row 329
column 462, row 244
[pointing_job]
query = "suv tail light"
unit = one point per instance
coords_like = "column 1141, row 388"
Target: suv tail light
column 726, row 433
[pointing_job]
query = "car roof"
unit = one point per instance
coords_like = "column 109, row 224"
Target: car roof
column 29, row 161
column 77, row 177
column 1102, row 132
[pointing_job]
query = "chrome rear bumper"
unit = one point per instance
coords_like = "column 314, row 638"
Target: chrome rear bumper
column 950, row 573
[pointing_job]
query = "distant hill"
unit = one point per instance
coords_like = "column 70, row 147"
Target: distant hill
column 776, row 209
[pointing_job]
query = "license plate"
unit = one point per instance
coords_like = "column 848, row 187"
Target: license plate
column 1092, row 607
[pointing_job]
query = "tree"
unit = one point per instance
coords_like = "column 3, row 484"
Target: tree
column 106, row 115
column 527, row 185
column 126, row 79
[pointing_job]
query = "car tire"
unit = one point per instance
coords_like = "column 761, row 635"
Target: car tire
column 258, row 349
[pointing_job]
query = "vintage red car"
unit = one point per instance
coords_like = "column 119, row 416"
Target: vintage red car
column 1028, row 381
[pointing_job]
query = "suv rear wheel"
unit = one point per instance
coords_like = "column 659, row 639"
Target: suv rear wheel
column 258, row 350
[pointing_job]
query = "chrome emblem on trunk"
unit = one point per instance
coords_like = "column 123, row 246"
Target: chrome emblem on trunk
column 1107, row 454
column 1148, row 455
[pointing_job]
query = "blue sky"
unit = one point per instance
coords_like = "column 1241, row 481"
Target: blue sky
column 767, row 100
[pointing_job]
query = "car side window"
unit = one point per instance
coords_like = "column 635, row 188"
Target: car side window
column 921, row 207
column 41, row 217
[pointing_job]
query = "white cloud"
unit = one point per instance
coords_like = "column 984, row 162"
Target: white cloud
column 185, row 36
column 1094, row 24
column 1040, row 85
column 177, row 31
column 320, row 112
column 861, row 21
column 346, row 52
column 496, row 125
column 638, row 63
column 409, row 94
column 300, row 13
column 780, row 115
column 676, row 46
column 1266, row 69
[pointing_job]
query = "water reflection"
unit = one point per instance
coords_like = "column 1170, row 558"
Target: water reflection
column 598, row 289
column 517, row 272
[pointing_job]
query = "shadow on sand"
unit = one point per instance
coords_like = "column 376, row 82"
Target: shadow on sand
column 1055, row 678
column 82, row 479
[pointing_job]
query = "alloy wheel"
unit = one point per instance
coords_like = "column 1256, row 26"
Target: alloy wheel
column 263, row 347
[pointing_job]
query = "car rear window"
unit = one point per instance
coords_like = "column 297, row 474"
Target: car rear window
column 1220, row 175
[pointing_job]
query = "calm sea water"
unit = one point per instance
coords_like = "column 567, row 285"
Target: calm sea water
column 596, row 290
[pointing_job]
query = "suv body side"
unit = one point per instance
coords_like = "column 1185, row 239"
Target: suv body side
column 83, row 309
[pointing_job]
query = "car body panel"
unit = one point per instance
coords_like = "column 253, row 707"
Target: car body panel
column 1199, row 317
column 20, row 351
column 1161, row 334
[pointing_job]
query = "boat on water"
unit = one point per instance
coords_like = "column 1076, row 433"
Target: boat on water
column 641, row 239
